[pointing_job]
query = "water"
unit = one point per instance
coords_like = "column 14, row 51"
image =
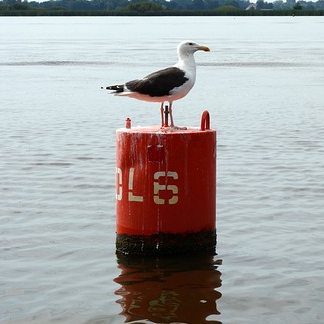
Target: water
column 263, row 85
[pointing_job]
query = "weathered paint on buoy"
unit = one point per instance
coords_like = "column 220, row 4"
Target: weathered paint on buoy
column 166, row 189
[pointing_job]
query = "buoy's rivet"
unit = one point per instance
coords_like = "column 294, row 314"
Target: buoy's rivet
column 128, row 123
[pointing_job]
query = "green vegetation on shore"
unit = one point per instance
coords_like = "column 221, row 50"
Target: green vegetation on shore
column 160, row 8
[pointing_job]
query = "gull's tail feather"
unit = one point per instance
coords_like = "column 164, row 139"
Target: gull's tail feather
column 116, row 88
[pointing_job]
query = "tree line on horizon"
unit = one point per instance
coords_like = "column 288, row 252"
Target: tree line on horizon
column 157, row 6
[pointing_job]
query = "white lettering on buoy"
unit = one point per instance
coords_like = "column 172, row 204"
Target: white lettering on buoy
column 158, row 187
column 132, row 197
column 119, row 193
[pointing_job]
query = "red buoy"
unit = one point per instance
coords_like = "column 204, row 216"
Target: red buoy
column 166, row 189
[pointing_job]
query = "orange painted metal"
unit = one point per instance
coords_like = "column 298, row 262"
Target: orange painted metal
column 166, row 180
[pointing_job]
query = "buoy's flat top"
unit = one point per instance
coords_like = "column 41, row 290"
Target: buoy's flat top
column 162, row 130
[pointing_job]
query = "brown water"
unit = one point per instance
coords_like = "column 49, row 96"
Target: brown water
column 263, row 85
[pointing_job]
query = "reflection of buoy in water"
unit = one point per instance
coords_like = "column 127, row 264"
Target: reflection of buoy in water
column 169, row 290
column 166, row 189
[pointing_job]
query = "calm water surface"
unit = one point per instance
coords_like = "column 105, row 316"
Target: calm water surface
column 263, row 85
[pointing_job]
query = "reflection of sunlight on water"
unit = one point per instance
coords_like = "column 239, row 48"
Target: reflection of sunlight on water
column 179, row 289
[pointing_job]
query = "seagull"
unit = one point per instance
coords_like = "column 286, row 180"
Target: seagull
column 166, row 85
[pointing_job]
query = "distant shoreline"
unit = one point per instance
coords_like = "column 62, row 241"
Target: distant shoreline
column 45, row 12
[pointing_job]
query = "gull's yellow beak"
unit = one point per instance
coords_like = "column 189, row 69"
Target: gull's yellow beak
column 204, row 48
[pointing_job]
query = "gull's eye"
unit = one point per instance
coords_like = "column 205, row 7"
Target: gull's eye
column 190, row 43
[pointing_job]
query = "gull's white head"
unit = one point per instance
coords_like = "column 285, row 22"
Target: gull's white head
column 187, row 48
